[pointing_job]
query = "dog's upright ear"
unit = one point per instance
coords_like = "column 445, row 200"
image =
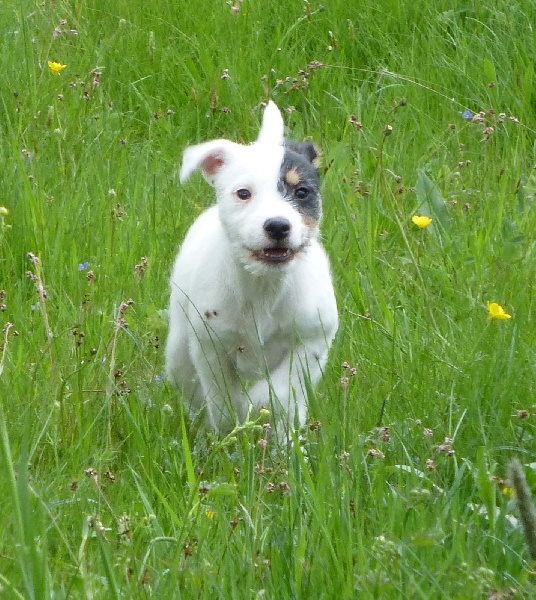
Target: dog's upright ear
column 272, row 126
column 209, row 157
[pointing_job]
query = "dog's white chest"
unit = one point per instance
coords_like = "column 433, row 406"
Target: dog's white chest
column 256, row 345
column 253, row 361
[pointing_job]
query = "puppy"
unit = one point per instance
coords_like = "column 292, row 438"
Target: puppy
column 252, row 310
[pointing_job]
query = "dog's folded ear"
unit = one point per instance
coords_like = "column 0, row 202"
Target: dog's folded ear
column 308, row 150
column 209, row 157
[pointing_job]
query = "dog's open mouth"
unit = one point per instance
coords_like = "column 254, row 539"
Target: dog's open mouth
column 274, row 255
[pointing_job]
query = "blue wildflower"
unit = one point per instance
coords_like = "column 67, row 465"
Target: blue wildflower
column 467, row 114
column 83, row 266
column 160, row 378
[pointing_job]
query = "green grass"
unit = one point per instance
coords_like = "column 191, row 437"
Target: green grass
column 104, row 492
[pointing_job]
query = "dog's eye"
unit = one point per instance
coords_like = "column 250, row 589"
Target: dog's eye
column 301, row 193
column 243, row 194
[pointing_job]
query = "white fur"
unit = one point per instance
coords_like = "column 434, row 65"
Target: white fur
column 244, row 332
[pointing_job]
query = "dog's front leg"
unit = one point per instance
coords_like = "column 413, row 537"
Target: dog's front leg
column 285, row 390
column 220, row 384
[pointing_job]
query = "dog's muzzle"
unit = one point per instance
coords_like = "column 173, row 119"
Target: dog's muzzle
column 277, row 230
column 278, row 250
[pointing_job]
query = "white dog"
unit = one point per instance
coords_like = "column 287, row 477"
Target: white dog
column 252, row 311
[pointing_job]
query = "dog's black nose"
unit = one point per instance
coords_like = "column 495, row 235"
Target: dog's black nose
column 277, row 228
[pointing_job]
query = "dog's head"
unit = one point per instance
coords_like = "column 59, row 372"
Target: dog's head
column 268, row 193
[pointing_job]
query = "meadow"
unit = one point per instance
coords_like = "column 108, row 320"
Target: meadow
column 397, row 487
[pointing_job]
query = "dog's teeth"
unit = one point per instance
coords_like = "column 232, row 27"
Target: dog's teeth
column 275, row 254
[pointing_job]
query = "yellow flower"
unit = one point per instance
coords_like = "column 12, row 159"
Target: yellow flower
column 496, row 311
column 421, row 221
column 3, row 211
column 210, row 514
column 55, row 67
column 508, row 492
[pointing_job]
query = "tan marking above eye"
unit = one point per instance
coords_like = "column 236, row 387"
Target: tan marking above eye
column 292, row 177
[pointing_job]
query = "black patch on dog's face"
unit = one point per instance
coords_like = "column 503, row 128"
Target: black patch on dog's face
column 299, row 180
